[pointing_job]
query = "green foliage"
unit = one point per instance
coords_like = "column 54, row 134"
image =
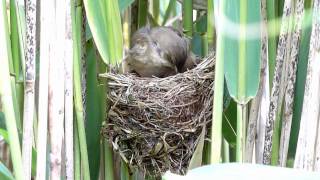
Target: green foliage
column 200, row 28
column 78, row 104
column 105, row 24
column 233, row 61
column 229, row 123
column 142, row 13
column 2, row 121
column 187, row 17
column 300, row 82
column 4, row 134
column 272, row 40
column 5, row 173
column 95, row 11
column 6, row 92
column 196, row 159
column 170, row 10
column 216, row 128
column 93, row 112
column 124, row 4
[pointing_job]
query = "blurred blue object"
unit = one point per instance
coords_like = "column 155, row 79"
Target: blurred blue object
column 238, row 171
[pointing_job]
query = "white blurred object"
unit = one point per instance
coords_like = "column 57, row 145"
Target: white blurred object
column 235, row 171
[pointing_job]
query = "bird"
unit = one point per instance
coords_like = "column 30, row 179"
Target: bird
column 160, row 52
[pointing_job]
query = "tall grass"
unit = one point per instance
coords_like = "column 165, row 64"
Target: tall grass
column 6, row 94
column 216, row 129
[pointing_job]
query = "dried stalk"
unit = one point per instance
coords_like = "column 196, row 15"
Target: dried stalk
column 29, row 90
column 56, row 91
column 305, row 155
column 277, row 91
column 68, row 92
column 46, row 31
column 257, row 101
column 264, row 92
column 317, row 149
column 291, row 80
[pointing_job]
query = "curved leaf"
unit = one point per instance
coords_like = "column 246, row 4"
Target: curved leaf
column 105, row 24
column 250, row 62
column 124, row 4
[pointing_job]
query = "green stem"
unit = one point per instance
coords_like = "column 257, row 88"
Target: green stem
column 19, row 12
column 241, row 118
column 108, row 160
column 77, row 164
column 15, row 39
column 216, row 129
column 142, row 13
column 241, row 131
column 276, row 136
column 15, row 66
column 108, row 152
column 6, row 94
column 272, row 41
column 187, row 17
column 76, row 29
column 156, row 10
column 204, row 42
column 206, row 151
column 124, row 171
column 225, row 151
column 210, row 24
column 242, row 52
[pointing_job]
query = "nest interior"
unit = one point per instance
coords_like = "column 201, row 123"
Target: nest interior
column 154, row 123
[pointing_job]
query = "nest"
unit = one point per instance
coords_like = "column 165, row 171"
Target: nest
column 154, row 123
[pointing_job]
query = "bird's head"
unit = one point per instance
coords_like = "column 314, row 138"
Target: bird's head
column 140, row 45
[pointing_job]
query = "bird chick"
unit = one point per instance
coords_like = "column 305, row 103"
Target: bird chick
column 159, row 51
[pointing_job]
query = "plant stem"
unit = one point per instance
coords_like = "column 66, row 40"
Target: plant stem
column 187, row 17
column 45, row 42
column 76, row 28
column 109, row 175
column 142, row 13
column 216, row 129
column 68, row 96
column 20, row 14
column 241, row 131
column 16, row 59
column 29, row 93
column 272, row 41
column 241, row 107
column 226, row 151
column 6, row 94
column 124, row 170
column 156, row 10
column 77, row 164
column 210, row 24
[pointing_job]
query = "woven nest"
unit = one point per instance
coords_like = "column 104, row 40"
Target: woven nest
column 154, row 123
